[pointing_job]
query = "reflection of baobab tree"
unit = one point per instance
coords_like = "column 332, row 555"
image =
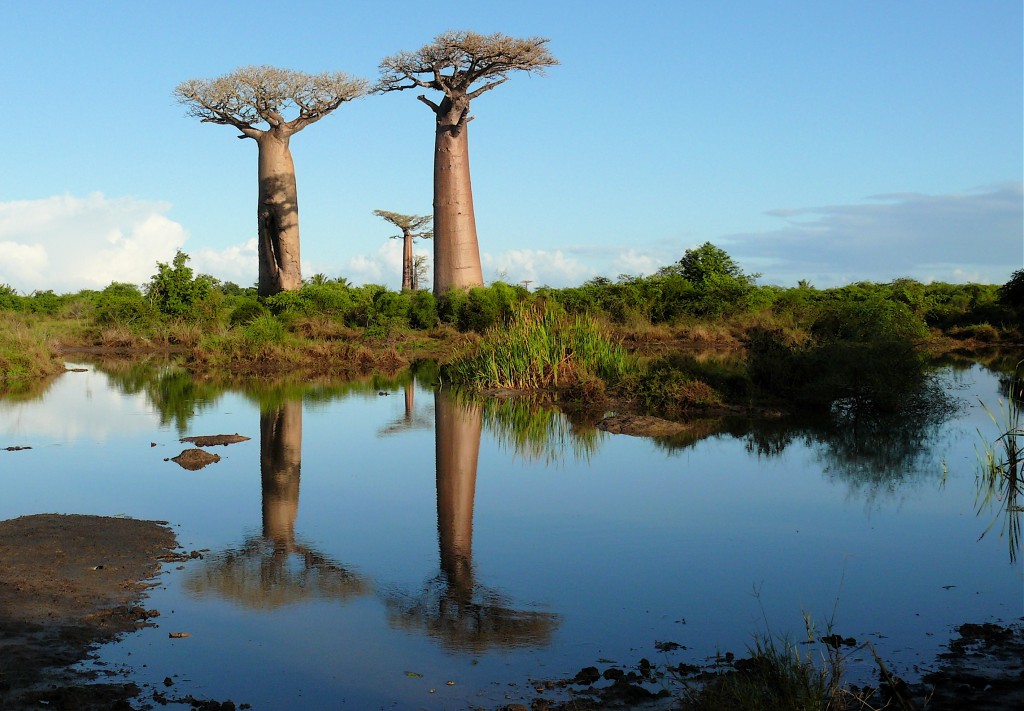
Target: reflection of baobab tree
column 410, row 419
column 453, row 607
column 276, row 569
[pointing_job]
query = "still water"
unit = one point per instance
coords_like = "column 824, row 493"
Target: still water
column 383, row 544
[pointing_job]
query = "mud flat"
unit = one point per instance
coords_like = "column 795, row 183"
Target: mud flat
column 67, row 584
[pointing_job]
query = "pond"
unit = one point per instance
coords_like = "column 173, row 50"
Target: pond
column 385, row 544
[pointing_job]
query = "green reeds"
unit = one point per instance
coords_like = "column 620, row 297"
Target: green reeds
column 26, row 350
column 539, row 349
column 999, row 483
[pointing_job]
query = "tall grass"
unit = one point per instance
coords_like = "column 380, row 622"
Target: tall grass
column 539, row 348
column 26, row 350
column 999, row 482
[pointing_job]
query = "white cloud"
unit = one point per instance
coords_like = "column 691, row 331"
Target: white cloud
column 972, row 236
column 539, row 266
column 66, row 243
column 635, row 263
column 384, row 266
column 238, row 263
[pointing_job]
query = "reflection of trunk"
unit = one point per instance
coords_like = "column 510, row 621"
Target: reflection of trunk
column 458, row 429
column 410, row 393
column 278, row 215
column 456, row 252
column 280, row 462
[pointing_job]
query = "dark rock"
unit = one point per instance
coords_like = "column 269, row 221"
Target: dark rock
column 587, row 676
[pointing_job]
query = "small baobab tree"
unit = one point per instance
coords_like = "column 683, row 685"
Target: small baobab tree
column 255, row 100
column 462, row 65
column 412, row 226
column 419, row 271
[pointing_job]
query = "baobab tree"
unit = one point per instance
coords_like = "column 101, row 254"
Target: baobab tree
column 411, row 227
column 462, row 65
column 255, row 100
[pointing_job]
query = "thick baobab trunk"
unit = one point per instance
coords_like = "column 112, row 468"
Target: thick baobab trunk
column 278, row 215
column 456, row 252
column 407, row 261
column 457, row 430
column 280, row 467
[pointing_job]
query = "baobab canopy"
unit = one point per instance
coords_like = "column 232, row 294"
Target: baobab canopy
column 256, row 101
column 468, row 57
column 462, row 65
column 250, row 96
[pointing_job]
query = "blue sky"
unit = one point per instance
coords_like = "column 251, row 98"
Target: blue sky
column 829, row 141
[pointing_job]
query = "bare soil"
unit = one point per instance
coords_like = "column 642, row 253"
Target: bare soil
column 67, row 584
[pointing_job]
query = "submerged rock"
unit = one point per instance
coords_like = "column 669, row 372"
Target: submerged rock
column 195, row 459
column 215, row 440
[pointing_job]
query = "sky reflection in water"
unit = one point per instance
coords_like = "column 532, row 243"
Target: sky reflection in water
column 365, row 549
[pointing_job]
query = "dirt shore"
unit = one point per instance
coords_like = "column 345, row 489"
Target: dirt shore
column 67, row 584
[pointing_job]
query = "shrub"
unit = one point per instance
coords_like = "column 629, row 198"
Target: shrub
column 481, row 311
column 422, row 310
column 123, row 304
column 9, row 299
column 245, row 311
column 861, row 352
column 984, row 332
column 43, row 302
column 262, row 329
column 173, row 290
column 450, row 305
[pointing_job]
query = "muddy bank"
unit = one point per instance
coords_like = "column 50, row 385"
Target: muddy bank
column 67, row 584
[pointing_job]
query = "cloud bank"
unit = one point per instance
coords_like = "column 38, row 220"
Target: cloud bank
column 975, row 236
column 67, row 243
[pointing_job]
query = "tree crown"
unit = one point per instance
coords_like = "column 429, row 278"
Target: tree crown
column 411, row 224
column 455, row 60
column 250, row 96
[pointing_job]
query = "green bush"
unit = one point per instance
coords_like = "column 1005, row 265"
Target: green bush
column 481, row 311
column 124, row 304
column 262, row 329
column 388, row 310
column 864, row 353
column 10, row 300
column 422, row 310
column 450, row 306
column 245, row 311
column 44, row 302
column 173, row 290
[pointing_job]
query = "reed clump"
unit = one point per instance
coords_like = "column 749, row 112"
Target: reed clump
column 26, row 351
column 540, row 348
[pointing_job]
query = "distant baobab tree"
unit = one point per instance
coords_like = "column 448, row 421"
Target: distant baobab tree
column 247, row 98
column 462, row 65
column 419, row 270
column 411, row 227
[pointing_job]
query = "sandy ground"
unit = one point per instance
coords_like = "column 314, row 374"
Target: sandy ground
column 68, row 583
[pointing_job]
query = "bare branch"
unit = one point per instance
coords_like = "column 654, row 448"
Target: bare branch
column 250, row 96
column 428, row 102
column 456, row 60
column 486, row 87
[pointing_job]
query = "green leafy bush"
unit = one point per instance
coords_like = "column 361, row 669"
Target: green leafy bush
column 10, row 300
column 124, row 304
column 245, row 311
column 422, row 310
column 263, row 329
column 173, row 290
column 864, row 353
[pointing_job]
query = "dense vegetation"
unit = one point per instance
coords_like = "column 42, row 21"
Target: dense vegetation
column 863, row 344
